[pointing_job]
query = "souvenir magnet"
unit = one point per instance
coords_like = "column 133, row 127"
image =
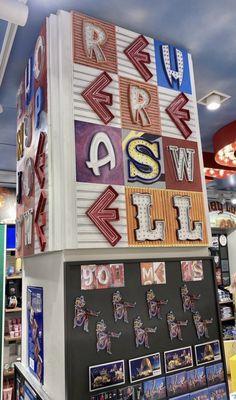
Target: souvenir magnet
column 154, row 305
column 120, row 307
column 141, row 334
column 104, row 337
column 174, row 326
column 201, row 325
column 82, row 314
column 188, row 299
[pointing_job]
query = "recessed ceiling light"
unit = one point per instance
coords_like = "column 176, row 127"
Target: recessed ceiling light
column 1, row 109
column 213, row 100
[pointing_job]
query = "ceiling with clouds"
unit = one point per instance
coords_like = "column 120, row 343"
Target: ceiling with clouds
column 206, row 28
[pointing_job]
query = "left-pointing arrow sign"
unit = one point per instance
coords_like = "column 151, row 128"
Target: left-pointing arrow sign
column 98, row 99
column 101, row 215
column 139, row 58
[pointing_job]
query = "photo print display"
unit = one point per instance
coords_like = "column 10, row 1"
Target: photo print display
column 145, row 367
column 178, row 359
column 207, row 352
column 200, row 395
column 215, row 374
column 177, row 384
column 106, row 375
column 155, row 389
column 196, row 379
column 218, row 392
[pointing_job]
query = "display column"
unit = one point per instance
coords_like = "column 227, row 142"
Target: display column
column 113, row 218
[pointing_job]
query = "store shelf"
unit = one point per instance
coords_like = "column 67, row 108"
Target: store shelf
column 13, row 277
column 10, row 339
column 13, row 310
column 228, row 319
column 226, row 302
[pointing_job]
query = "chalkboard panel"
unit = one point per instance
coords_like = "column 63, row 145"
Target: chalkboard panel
column 81, row 346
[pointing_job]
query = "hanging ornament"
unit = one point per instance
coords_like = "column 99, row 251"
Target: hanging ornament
column 188, row 299
column 154, row 305
column 120, row 307
column 174, row 326
column 201, row 325
column 141, row 334
column 104, row 337
column 82, row 314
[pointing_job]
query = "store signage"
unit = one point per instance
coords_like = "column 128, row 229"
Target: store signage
column 139, row 58
column 157, row 199
column 179, row 114
column 220, row 207
column 31, row 220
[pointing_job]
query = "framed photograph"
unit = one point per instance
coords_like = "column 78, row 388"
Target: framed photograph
column 225, row 265
column 177, row 384
column 126, row 393
column 200, row 395
column 155, row 389
column 192, row 270
column 218, row 392
column 184, row 397
column 106, row 375
column 226, row 279
column 215, row 374
column 35, row 317
column 178, row 359
column 153, row 273
column 215, row 242
column 144, row 367
column 112, row 394
column 196, row 379
column 207, row 352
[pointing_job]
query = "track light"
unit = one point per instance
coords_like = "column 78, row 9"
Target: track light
column 14, row 11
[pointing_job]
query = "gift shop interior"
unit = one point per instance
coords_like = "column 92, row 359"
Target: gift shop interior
column 117, row 200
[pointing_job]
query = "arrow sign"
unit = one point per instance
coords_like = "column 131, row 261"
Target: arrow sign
column 138, row 57
column 101, row 215
column 98, row 99
column 41, row 220
column 180, row 115
column 40, row 160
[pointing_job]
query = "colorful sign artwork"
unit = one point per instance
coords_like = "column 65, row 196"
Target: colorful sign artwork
column 32, row 184
column 136, row 140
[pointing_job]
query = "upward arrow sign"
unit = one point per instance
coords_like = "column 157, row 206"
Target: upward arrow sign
column 98, row 99
column 180, row 115
column 101, row 215
column 138, row 57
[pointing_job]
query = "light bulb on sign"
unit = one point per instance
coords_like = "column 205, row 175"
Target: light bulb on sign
column 213, row 102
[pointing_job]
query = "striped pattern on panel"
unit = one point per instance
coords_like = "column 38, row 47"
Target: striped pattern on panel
column 82, row 78
column 126, row 69
column 88, row 236
column 166, row 96
column 108, row 48
column 163, row 210
column 152, row 109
